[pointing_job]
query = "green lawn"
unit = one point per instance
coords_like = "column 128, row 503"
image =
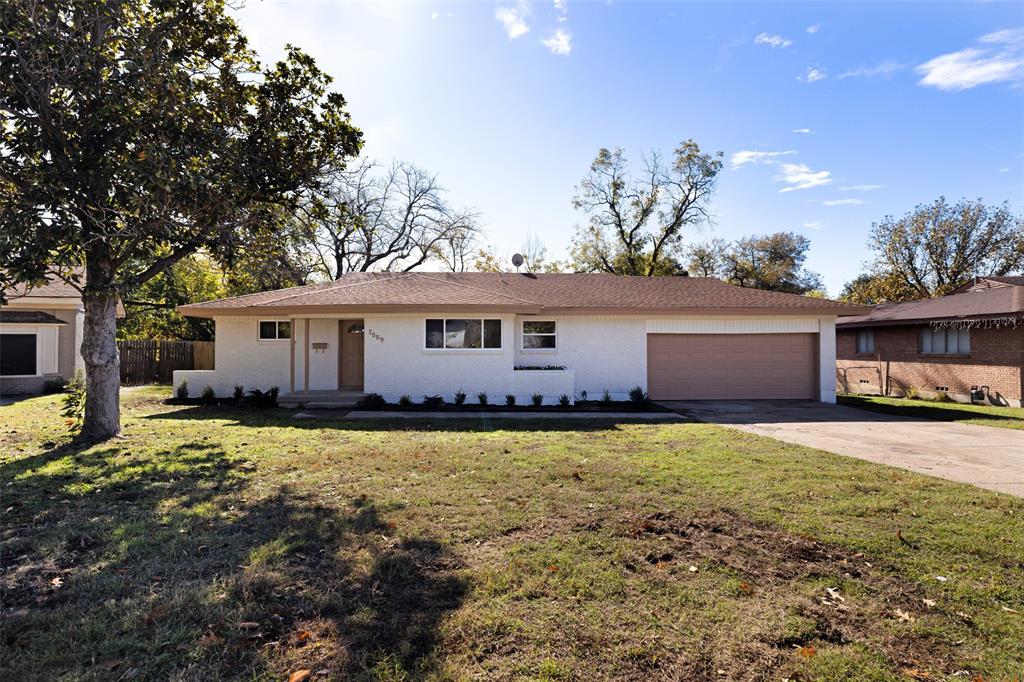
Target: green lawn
column 219, row 543
column 985, row 415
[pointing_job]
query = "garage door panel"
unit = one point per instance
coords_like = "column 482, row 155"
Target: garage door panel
column 731, row 366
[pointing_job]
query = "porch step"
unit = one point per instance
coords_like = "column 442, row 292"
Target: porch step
column 320, row 399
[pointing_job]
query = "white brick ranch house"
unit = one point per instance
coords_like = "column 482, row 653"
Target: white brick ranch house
column 425, row 333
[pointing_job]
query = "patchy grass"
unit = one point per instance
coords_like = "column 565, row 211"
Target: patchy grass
column 984, row 415
column 219, row 542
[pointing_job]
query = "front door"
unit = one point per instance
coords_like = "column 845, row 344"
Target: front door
column 350, row 362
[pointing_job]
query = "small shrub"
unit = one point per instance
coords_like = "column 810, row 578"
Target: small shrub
column 54, row 385
column 583, row 395
column 637, row 395
column 460, row 397
column 372, row 401
column 238, row 393
column 74, row 401
column 258, row 398
column 563, row 400
column 606, row 397
column 910, row 393
column 481, row 398
column 942, row 397
column 510, row 399
column 433, row 401
column 537, row 399
column 405, row 401
column 181, row 392
column 208, row 397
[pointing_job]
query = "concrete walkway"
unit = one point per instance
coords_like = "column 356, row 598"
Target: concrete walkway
column 985, row 456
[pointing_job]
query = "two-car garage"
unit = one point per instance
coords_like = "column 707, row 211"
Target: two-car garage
column 732, row 366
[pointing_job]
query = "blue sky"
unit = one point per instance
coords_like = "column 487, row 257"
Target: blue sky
column 830, row 115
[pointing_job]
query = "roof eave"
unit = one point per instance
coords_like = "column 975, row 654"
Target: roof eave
column 198, row 310
column 852, row 324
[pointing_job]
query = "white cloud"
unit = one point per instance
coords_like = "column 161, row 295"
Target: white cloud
column 814, row 225
column 435, row 15
column 998, row 58
column 884, row 70
column 860, row 188
column 813, row 29
column 514, row 19
column 560, row 6
column 799, row 176
column 1004, row 170
column 560, row 42
column 773, row 40
column 803, row 131
column 813, row 75
column 744, row 157
column 844, row 202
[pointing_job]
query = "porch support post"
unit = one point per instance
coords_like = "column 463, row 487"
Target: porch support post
column 291, row 358
column 305, row 361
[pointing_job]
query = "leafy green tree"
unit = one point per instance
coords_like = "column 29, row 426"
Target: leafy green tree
column 875, row 288
column 150, row 308
column 938, row 247
column 637, row 224
column 137, row 132
column 774, row 262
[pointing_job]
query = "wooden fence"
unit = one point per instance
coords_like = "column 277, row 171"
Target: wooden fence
column 153, row 362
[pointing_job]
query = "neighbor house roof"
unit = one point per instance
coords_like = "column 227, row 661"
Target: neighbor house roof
column 518, row 292
column 972, row 304
column 53, row 288
column 28, row 317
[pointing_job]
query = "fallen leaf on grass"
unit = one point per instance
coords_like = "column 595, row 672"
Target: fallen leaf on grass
column 155, row 614
column 300, row 676
column 745, row 587
column 903, row 615
column 110, row 665
column 57, row 582
column 929, row 602
column 1009, row 610
column 916, row 674
column 302, row 636
column 693, row 569
column 211, row 639
column 248, row 625
column 807, row 651
column 553, row 568
column 834, row 593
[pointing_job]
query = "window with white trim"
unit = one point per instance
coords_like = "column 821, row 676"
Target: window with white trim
column 539, row 335
column 273, row 330
column 945, row 341
column 18, row 355
column 865, row 341
column 462, row 334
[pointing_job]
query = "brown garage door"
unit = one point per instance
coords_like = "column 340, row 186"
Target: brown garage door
column 730, row 366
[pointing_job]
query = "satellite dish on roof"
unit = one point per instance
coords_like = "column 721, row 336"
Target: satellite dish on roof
column 517, row 260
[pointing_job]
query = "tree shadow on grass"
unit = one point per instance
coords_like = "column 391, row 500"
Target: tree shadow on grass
column 473, row 422
column 177, row 565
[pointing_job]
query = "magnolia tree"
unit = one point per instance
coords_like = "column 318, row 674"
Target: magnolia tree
column 137, row 132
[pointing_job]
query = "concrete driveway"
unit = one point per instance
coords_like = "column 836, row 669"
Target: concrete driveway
column 985, row 456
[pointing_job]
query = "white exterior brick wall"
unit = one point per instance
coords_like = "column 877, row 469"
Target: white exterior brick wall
column 600, row 353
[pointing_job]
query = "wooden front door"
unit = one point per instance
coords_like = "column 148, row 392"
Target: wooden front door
column 350, row 360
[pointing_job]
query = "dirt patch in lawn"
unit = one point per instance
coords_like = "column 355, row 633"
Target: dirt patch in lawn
column 837, row 597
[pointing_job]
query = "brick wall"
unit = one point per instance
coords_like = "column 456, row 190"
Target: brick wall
column 996, row 360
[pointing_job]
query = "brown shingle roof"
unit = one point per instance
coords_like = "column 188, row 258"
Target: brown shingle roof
column 54, row 288
column 981, row 304
column 520, row 292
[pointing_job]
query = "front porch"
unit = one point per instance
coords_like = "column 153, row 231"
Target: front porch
column 321, row 399
column 326, row 361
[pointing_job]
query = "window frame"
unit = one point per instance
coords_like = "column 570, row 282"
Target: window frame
column 35, row 350
column 277, row 331
column 869, row 336
column 961, row 334
column 523, row 334
column 483, row 335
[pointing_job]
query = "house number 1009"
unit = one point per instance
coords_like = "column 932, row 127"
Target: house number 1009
column 375, row 336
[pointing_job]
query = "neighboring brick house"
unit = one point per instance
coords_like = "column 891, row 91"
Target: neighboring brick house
column 967, row 344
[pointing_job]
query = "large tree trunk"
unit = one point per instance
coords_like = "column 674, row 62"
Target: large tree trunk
column 102, row 363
